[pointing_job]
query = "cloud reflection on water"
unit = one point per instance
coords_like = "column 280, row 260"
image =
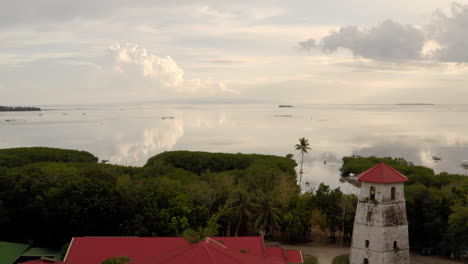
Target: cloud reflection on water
column 130, row 136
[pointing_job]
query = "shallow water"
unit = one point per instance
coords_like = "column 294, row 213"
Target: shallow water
column 129, row 135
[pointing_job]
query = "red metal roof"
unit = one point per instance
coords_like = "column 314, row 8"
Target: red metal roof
column 276, row 253
column 209, row 251
column 254, row 245
column 294, row 256
column 94, row 250
column 149, row 250
column 381, row 173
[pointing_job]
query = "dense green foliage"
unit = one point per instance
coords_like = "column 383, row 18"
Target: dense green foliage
column 343, row 259
column 329, row 209
column 17, row 157
column 436, row 204
column 310, row 260
column 49, row 195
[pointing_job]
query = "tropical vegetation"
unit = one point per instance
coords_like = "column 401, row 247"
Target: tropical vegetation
column 49, row 195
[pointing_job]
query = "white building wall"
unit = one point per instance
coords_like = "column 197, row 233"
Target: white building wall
column 387, row 223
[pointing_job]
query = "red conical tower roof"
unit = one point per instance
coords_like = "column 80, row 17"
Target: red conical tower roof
column 381, row 173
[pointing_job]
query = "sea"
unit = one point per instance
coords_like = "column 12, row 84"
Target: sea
column 435, row 136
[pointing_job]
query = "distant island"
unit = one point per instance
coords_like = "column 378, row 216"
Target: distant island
column 285, row 106
column 415, row 104
column 18, row 109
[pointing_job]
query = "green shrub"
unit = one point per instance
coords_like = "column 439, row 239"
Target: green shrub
column 343, row 259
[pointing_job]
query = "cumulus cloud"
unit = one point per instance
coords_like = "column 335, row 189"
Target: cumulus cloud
column 450, row 33
column 386, row 41
column 164, row 72
column 444, row 39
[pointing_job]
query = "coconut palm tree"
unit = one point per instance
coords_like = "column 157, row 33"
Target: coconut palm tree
column 267, row 216
column 303, row 146
column 240, row 204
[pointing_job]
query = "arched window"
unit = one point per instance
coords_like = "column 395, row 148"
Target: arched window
column 369, row 216
column 395, row 245
column 367, row 243
column 366, row 261
column 393, row 193
column 372, row 193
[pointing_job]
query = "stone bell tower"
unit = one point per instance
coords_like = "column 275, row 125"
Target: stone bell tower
column 380, row 234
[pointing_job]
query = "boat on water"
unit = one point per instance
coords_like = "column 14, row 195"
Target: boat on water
column 464, row 164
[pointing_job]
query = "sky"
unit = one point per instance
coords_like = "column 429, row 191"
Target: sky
column 294, row 51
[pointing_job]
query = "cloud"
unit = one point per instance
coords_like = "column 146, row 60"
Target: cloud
column 163, row 72
column 450, row 33
column 443, row 39
column 388, row 41
column 150, row 142
column 307, row 44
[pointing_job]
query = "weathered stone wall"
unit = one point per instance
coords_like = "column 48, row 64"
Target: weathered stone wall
column 382, row 192
column 386, row 224
column 396, row 257
column 380, row 238
column 388, row 214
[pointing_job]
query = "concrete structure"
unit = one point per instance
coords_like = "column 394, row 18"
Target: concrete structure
column 380, row 234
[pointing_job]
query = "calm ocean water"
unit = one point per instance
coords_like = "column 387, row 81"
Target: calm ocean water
column 129, row 135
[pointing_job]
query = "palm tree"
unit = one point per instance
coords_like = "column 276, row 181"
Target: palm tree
column 240, row 204
column 267, row 217
column 303, row 146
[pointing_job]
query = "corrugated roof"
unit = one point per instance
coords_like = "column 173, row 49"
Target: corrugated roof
column 149, row 250
column 94, row 250
column 9, row 252
column 209, row 251
column 250, row 244
column 275, row 253
column 381, row 173
column 294, row 256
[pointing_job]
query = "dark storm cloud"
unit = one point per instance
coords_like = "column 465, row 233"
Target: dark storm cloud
column 387, row 41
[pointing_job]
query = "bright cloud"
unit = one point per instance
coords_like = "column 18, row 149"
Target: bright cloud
column 164, row 72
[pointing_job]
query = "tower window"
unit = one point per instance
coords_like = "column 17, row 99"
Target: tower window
column 366, row 261
column 369, row 216
column 395, row 245
column 367, row 243
column 372, row 193
column 393, row 193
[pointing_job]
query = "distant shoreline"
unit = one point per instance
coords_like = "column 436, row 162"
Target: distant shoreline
column 18, row 109
column 414, row 104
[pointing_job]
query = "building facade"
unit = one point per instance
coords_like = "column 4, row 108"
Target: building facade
column 380, row 234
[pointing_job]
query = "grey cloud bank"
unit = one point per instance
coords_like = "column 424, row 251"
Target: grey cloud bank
column 393, row 41
column 387, row 41
column 451, row 33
